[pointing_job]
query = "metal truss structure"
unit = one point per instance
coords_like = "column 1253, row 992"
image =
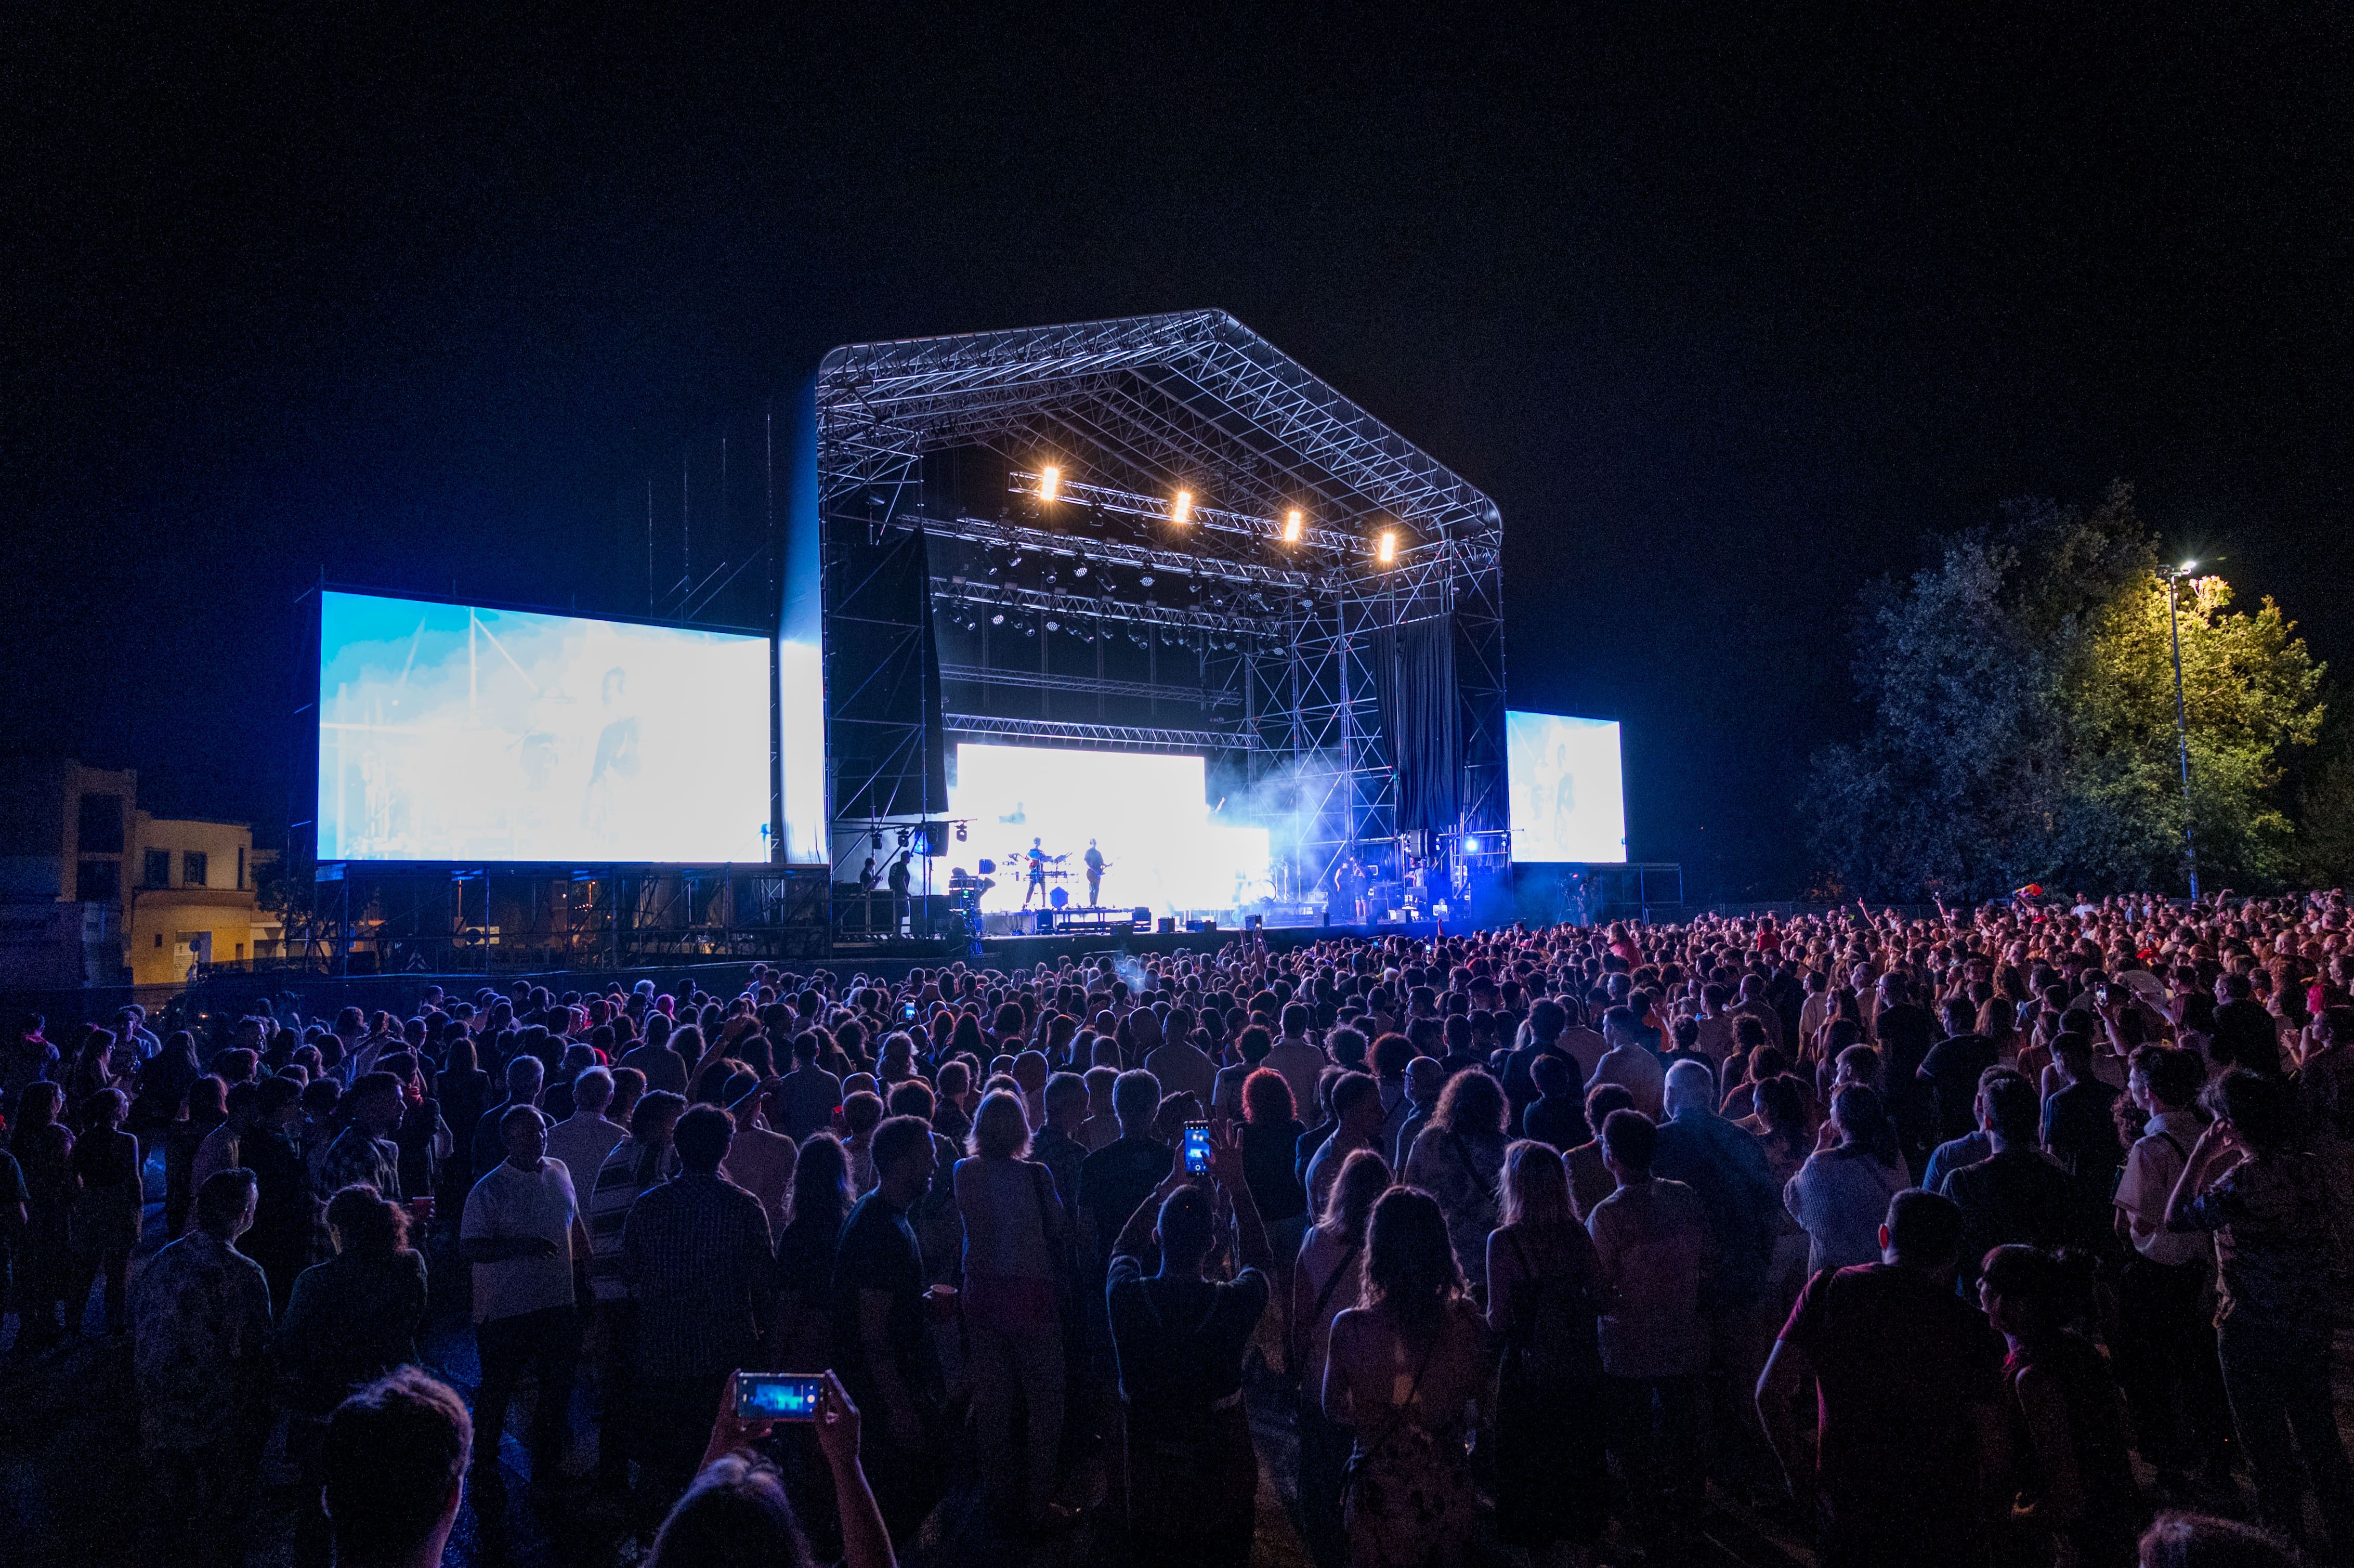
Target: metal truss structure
column 1161, row 533
column 496, row 919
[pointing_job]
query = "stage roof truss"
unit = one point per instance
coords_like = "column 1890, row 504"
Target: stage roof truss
column 1129, row 412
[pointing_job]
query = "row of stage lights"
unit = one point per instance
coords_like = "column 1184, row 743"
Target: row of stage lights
column 1028, row 625
column 1181, row 511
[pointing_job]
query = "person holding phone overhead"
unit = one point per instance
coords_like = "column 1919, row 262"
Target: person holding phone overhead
column 1179, row 1337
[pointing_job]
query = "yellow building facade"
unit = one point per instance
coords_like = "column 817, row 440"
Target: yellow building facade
column 173, row 892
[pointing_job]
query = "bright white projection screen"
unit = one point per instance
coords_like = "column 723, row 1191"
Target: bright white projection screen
column 1147, row 813
column 453, row 732
column 1569, row 799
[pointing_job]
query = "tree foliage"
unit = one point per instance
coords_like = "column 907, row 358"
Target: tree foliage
column 2019, row 695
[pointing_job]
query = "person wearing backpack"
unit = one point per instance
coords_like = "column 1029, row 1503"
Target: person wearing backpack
column 1179, row 1337
column 1551, row 1483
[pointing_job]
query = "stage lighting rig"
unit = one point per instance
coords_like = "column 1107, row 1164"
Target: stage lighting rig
column 1182, row 510
column 1050, row 482
column 1291, row 527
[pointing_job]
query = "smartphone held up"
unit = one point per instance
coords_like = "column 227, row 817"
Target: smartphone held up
column 778, row 1396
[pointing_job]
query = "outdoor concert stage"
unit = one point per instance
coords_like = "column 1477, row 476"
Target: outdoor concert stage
column 1144, row 597
column 1151, row 541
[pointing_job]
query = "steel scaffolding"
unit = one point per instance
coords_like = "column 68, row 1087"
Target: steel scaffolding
column 1209, row 567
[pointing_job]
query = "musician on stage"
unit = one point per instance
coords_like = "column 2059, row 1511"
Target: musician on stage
column 1095, row 860
column 1036, row 887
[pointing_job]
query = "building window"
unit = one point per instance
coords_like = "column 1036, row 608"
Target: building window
column 158, row 870
column 101, row 824
column 98, row 880
column 192, row 868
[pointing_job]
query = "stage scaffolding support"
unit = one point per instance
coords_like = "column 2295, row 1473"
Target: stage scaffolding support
column 1222, row 546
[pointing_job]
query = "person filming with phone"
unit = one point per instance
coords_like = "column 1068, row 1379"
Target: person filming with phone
column 1179, row 1337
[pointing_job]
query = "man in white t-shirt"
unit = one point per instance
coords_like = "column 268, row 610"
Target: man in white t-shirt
column 522, row 1233
column 2166, row 1344
column 581, row 1141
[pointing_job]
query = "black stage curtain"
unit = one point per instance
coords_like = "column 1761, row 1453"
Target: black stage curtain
column 1413, row 673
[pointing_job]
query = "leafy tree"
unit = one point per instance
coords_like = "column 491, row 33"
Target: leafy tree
column 2325, row 803
column 2251, row 694
column 2019, row 693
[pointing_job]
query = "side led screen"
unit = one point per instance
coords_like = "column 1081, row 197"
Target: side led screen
column 1146, row 814
column 1569, row 801
column 456, row 733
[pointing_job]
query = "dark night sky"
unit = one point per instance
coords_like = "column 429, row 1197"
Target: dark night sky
column 1726, row 309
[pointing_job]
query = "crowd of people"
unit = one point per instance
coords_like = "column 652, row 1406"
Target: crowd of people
column 2014, row 1235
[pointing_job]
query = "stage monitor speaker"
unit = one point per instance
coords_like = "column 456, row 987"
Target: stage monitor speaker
column 1254, row 922
column 1144, row 917
column 1045, row 926
column 1167, row 926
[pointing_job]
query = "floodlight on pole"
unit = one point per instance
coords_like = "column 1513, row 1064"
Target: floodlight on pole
column 1181, row 509
column 1050, row 480
column 2174, row 576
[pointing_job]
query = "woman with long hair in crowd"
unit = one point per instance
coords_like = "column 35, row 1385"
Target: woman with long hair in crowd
column 1406, row 1364
column 1325, row 1281
column 1271, row 1129
column 1841, row 1195
column 1456, row 1160
column 1550, row 1482
column 822, row 1200
column 90, row 1073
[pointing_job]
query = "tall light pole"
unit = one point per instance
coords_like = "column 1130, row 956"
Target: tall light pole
column 2174, row 576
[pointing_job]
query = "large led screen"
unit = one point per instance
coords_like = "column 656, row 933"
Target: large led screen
column 1146, row 814
column 1569, row 801
column 454, row 732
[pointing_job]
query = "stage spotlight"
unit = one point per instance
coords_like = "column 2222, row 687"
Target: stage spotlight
column 1145, row 581
column 1053, row 626
column 875, row 841
column 1078, row 571
column 1291, row 527
column 1050, row 480
column 997, row 620
column 1016, row 560
column 1387, row 551
column 1029, row 631
column 1182, row 512
column 961, row 832
column 903, row 838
